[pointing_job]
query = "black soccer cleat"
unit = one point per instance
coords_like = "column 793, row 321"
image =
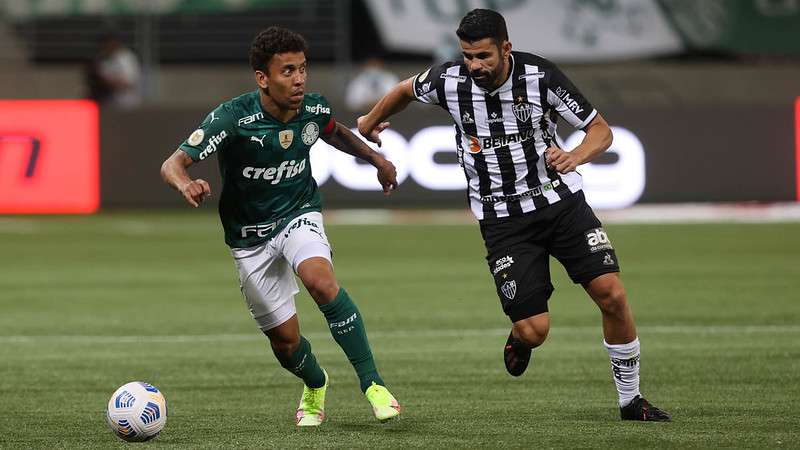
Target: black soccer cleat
column 641, row 409
column 517, row 355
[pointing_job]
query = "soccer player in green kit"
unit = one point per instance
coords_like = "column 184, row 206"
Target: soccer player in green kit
column 270, row 209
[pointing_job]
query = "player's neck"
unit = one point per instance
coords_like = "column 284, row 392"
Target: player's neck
column 268, row 104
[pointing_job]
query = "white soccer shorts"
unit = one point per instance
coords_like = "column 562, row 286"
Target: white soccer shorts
column 266, row 271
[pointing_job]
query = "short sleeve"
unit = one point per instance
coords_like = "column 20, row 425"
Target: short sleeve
column 214, row 134
column 325, row 118
column 568, row 101
column 429, row 85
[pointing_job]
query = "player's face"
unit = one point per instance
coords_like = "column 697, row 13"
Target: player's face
column 487, row 62
column 285, row 80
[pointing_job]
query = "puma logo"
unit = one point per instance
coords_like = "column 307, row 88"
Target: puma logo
column 259, row 140
column 213, row 117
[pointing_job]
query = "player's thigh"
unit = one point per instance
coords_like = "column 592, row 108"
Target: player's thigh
column 304, row 238
column 581, row 244
column 267, row 284
column 520, row 269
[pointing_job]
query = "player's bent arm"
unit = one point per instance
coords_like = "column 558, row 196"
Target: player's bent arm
column 344, row 140
column 392, row 103
column 597, row 140
column 174, row 173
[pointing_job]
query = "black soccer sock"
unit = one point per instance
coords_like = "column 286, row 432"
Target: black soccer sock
column 349, row 332
column 303, row 364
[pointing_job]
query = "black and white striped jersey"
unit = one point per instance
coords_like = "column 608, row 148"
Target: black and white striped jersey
column 501, row 135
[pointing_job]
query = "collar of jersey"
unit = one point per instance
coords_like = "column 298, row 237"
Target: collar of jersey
column 506, row 84
column 269, row 116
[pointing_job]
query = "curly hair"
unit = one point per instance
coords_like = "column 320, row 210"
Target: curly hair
column 272, row 41
column 481, row 24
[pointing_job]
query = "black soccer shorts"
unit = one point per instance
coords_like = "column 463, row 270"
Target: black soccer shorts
column 518, row 250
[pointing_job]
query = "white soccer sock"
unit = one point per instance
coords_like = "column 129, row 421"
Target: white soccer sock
column 625, row 369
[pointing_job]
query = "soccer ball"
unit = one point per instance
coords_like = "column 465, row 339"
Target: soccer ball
column 137, row 412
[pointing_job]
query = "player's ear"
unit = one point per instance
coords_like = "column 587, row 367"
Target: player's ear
column 261, row 79
column 506, row 48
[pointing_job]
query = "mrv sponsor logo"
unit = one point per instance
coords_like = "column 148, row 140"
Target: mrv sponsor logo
column 571, row 103
column 286, row 170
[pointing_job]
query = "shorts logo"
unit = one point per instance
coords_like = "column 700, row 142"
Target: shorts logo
column 597, row 240
column 310, row 133
column 503, row 263
column 608, row 260
column 509, row 289
column 303, row 222
column 285, row 138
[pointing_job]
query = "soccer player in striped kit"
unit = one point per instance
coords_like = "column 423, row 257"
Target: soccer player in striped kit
column 525, row 191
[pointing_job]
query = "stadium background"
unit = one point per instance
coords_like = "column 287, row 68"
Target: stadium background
column 705, row 99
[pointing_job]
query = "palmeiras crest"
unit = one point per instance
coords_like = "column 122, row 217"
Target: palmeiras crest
column 509, row 289
column 522, row 110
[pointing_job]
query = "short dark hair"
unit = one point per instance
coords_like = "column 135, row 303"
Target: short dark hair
column 481, row 24
column 271, row 41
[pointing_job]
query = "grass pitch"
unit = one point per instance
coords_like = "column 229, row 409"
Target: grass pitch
column 89, row 303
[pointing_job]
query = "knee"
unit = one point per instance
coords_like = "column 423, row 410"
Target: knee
column 323, row 288
column 531, row 335
column 612, row 299
column 283, row 348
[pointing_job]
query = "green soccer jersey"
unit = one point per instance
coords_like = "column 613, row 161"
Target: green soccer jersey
column 264, row 164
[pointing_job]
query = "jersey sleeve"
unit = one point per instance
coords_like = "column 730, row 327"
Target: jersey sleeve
column 428, row 86
column 214, row 134
column 568, row 101
column 325, row 118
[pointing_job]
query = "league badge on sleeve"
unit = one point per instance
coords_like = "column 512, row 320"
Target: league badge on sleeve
column 196, row 138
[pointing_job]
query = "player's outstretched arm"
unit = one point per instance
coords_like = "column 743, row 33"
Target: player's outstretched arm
column 392, row 103
column 344, row 140
column 173, row 172
column 597, row 140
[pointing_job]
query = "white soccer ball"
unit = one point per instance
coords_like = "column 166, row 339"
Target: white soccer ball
column 137, row 412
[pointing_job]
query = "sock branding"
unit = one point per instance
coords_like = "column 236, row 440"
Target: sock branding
column 343, row 323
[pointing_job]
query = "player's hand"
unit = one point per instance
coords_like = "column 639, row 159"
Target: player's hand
column 372, row 134
column 196, row 191
column 387, row 176
column 560, row 160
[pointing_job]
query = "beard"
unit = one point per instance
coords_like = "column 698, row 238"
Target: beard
column 485, row 80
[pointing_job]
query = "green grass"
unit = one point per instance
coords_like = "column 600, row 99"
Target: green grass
column 89, row 303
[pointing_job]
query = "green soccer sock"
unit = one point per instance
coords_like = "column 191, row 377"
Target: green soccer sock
column 349, row 332
column 303, row 365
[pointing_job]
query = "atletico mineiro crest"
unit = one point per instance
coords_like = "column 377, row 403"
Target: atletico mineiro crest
column 521, row 109
column 285, row 138
column 509, row 289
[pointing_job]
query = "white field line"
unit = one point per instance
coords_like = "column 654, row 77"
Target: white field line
column 410, row 334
